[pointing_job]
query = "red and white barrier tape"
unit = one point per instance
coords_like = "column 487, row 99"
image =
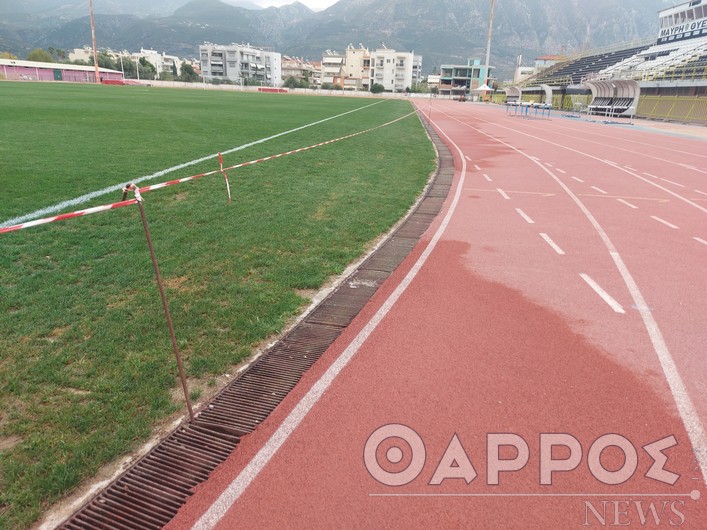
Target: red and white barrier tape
column 222, row 170
column 65, row 216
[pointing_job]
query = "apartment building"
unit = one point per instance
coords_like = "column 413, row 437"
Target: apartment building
column 300, row 69
column 238, row 62
column 395, row 70
column 359, row 69
column 461, row 79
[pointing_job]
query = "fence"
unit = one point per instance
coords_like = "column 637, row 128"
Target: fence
column 673, row 108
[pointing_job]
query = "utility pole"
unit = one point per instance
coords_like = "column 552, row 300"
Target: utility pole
column 93, row 38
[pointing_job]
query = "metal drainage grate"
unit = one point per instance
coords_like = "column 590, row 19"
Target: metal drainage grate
column 149, row 494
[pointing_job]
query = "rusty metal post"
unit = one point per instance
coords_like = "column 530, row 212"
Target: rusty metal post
column 165, row 305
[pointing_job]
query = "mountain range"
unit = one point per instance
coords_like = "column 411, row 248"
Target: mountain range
column 442, row 31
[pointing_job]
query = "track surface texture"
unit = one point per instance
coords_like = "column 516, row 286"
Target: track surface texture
column 537, row 361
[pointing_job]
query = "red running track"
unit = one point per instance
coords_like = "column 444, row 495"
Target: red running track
column 538, row 361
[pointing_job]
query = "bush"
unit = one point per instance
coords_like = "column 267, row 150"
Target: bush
column 377, row 88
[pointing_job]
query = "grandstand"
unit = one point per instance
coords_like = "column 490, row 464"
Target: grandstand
column 618, row 81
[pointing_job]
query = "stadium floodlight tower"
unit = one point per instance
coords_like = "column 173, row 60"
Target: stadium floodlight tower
column 93, row 39
column 488, row 45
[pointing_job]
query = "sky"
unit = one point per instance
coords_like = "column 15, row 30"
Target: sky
column 316, row 5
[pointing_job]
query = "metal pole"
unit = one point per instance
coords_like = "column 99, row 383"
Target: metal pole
column 488, row 45
column 165, row 305
column 93, row 38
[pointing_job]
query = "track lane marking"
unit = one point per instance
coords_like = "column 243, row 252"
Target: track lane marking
column 552, row 244
column 628, row 204
column 578, row 179
column 236, row 488
column 671, row 182
column 613, row 304
column 686, row 408
column 700, row 240
column 666, row 223
column 599, row 190
column 476, row 167
column 487, row 178
column 525, row 216
column 503, row 194
column 561, row 171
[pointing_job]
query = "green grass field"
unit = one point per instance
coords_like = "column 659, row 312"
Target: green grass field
column 86, row 368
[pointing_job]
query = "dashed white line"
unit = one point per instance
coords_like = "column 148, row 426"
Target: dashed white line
column 535, row 158
column 700, row 192
column 468, row 158
column 561, row 171
column 503, row 194
column 630, row 168
column 666, row 223
column 477, row 167
column 671, row 182
column 548, row 164
column 598, row 189
column 525, row 216
column 578, row 179
column 488, row 178
column 611, row 163
column 552, row 244
column 700, row 240
column 628, row 204
column 603, row 294
column 651, row 175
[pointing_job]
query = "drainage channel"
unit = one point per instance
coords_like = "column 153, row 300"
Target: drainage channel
column 149, row 494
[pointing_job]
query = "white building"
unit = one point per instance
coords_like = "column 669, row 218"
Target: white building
column 332, row 65
column 238, row 62
column 395, row 70
column 162, row 62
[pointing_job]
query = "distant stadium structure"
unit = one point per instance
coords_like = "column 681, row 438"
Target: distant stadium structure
column 663, row 78
column 15, row 70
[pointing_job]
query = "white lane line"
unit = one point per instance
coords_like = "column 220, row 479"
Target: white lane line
column 503, row 194
column 468, row 158
column 535, row 158
column 554, row 245
column 650, row 175
column 671, row 182
column 611, row 163
column 630, row 168
column 561, row 171
column 525, row 216
column 700, row 240
column 598, row 189
column 604, row 295
column 628, row 204
column 118, row 187
column 686, row 408
column 488, row 178
column 236, row 488
column 666, row 223
column 548, row 164
column 700, row 192
column 477, row 168
column 578, row 179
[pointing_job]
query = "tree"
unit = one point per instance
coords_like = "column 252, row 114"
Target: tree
column 7, row 55
column 377, row 88
column 291, row 82
column 147, row 69
column 188, row 74
column 106, row 61
column 40, row 56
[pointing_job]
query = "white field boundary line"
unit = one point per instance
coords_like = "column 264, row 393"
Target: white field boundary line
column 236, row 488
column 118, row 187
column 686, row 408
column 161, row 185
